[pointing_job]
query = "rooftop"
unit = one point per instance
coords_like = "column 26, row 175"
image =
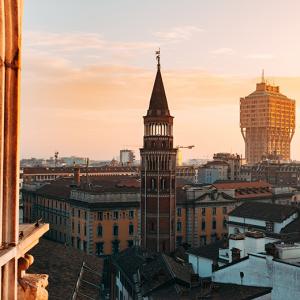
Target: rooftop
column 64, row 170
column 264, row 211
column 210, row 251
column 63, row 264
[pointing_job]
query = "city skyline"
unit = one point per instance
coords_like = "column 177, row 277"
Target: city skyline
column 87, row 80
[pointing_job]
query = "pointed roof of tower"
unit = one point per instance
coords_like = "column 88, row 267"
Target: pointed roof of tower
column 158, row 102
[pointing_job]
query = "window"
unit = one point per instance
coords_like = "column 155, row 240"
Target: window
column 178, row 212
column 131, row 229
column 213, row 238
column 270, row 226
column 85, row 229
column 115, row 230
column 178, row 240
column 100, row 215
column 214, row 224
column 214, row 211
column 78, row 243
column 203, row 211
column 179, row 226
column 99, row 248
column 116, row 215
column 203, row 225
column 85, row 215
column 78, row 213
column 153, row 183
column 72, row 241
column 99, row 230
column 224, row 223
column 131, row 214
column 152, row 226
column 203, row 240
column 78, row 228
column 130, row 243
column 163, row 183
column 115, row 246
column 73, row 226
column 84, row 246
column 225, row 210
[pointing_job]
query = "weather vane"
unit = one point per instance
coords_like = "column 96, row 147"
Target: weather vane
column 157, row 53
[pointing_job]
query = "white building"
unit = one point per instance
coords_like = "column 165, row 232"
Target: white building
column 266, row 217
column 126, row 157
column 280, row 272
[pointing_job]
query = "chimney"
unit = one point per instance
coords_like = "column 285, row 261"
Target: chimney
column 77, row 176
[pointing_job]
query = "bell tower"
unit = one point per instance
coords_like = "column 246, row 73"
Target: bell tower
column 158, row 171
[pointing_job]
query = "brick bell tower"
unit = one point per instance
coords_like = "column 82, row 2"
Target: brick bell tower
column 158, row 163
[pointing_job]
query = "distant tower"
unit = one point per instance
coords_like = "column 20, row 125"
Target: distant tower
column 158, row 166
column 267, row 120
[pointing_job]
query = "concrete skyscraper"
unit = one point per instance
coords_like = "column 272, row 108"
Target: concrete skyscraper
column 158, row 171
column 267, row 121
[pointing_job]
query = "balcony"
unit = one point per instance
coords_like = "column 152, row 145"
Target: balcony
column 30, row 286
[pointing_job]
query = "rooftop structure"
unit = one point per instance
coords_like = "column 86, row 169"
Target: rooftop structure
column 267, row 121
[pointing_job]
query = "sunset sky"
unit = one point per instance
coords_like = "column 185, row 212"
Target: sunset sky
column 88, row 68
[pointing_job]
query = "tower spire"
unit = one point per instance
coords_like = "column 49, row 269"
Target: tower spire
column 263, row 76
column 158, row 102
column 157, row 53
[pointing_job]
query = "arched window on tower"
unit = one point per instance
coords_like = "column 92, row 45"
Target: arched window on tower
column 152, row 228
column 153, row 183
column 163, row 183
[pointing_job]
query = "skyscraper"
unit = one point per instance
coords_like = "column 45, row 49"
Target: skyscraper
column 267, row 121
column 158, row 163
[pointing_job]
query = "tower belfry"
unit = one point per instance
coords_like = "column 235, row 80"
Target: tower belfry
column 158, row 162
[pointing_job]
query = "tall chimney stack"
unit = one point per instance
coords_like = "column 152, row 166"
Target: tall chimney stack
column 77, row 176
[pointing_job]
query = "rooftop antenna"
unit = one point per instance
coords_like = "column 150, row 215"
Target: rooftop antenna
column 157, row 53
column 263, row 76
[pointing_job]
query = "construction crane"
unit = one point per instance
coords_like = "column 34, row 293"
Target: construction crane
column 179, row 153
column 185, row 147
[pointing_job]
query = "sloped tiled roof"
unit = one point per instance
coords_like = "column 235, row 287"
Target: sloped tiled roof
column 263, row 211
column 63, row 264
column 210, row 251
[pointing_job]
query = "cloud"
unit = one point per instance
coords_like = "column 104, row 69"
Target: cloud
column 225, row 51
column 177, row 34
column 70, row 42
column 260, row 56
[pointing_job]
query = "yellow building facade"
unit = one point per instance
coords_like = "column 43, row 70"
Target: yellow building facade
column 99, row 221
column 202, row 216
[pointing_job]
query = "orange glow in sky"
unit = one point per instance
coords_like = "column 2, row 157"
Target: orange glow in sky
column 88, row 71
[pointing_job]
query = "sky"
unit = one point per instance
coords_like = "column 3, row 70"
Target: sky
column 88, row 68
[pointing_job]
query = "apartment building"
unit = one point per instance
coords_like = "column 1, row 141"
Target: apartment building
column 99, row 216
